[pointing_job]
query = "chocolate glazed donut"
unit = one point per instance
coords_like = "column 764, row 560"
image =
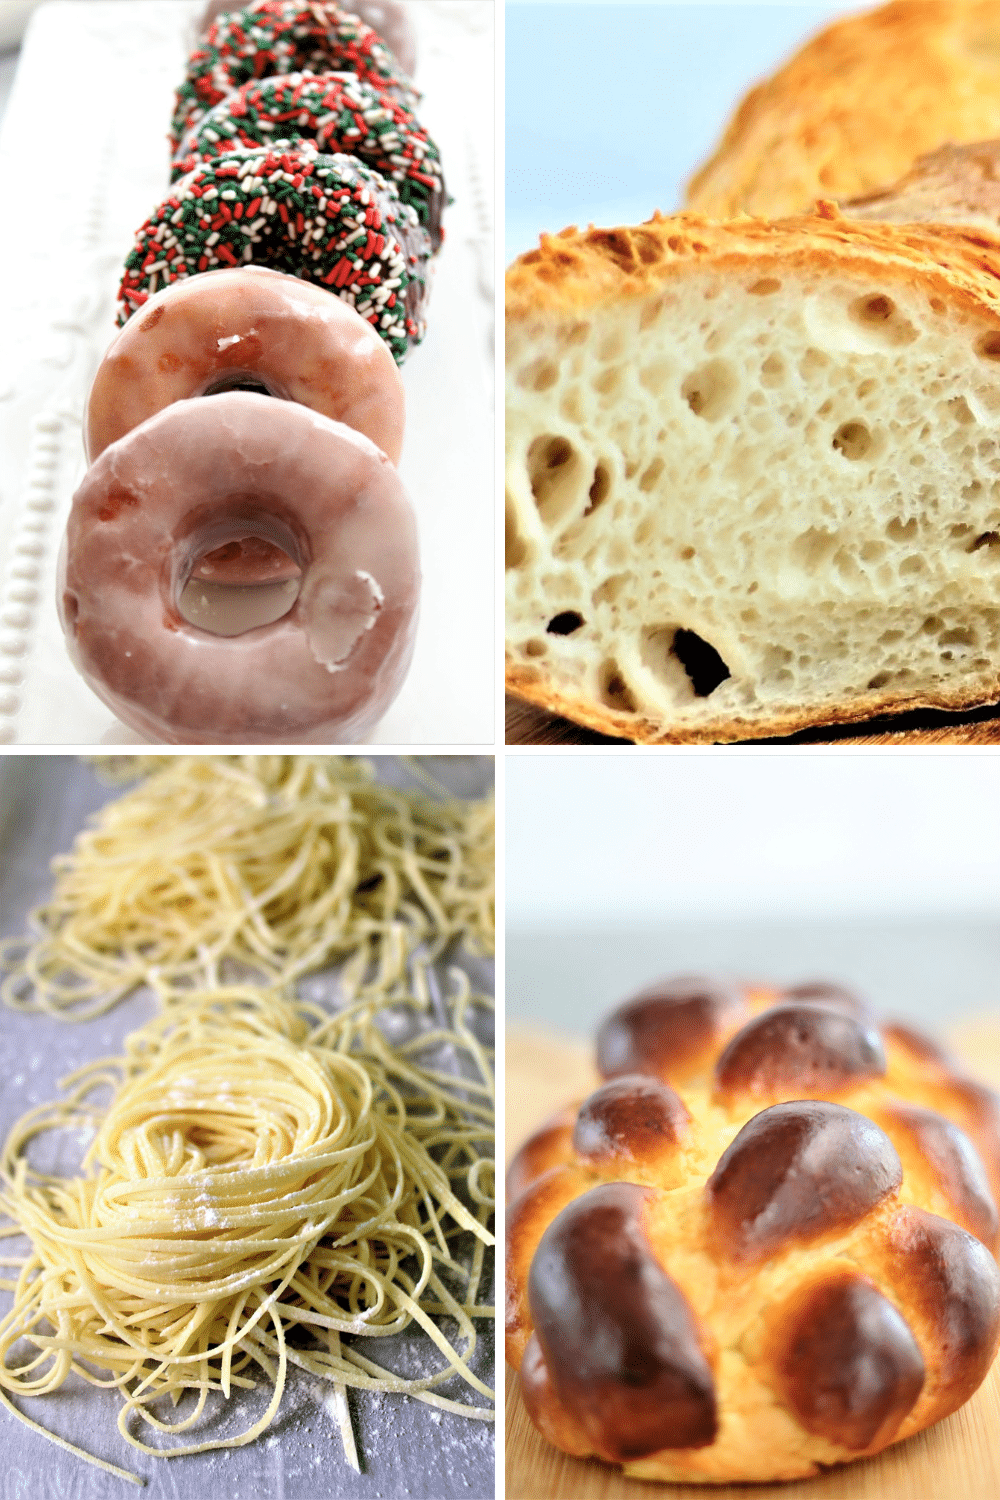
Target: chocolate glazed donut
column 194, row 479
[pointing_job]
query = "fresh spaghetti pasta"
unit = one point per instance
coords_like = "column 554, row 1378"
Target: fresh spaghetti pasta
column 274, row 865
column 268, row 1185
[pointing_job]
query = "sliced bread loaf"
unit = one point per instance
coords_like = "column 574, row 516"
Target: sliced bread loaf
column 753, row 474
column 855, row 105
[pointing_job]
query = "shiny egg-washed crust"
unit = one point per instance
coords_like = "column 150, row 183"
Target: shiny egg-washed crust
column 766, row 1243
column 855, row 105
column 576, row 272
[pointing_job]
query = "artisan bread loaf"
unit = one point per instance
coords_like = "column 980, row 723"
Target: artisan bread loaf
column 854, row 107
column 953, row 185
column 766, row 1243
column 753, row 474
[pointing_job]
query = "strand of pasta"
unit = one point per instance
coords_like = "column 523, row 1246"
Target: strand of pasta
column 261, row 1165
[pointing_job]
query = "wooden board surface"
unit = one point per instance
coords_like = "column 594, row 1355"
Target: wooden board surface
column 958, row 1459
column 528, row 725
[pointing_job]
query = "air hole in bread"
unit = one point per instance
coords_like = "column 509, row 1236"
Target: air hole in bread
column 555, row 470
column 613, row 688
column 565, row 623
column 608, row 382
column 853, row 440
column 871, row 324
column 765, row 287
column 901, row 531
column 535, row 648
column 600, row 489
column 611, row 590
column 772, row 371
column 515, row 550
column 961, row 411
column 936, row 305
column 880, row 316
column 961, row 635
column 988, row 347
column 812, row 363
column 989, row 539
column 545, row 376
column 875, row 309
column 711, row 391
column 700, row 660
column 912, row 564
column 813, row 547
column 650, row 475
column 879, row 681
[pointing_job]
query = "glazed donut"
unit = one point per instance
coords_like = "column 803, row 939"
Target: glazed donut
column 283, row 36
column 247, row 329
column 388, row 17
column 324, row 218
column 336, row 112
column 764, row 1244
column 191, row 481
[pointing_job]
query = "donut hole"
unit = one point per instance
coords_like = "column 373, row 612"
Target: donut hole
column 242, row 380
column 237, row 570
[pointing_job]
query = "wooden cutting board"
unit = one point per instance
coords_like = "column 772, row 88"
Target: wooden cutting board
column 959, row 1459
column 528, row 725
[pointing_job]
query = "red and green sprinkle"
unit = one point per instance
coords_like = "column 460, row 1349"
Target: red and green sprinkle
column 325, row 218
column 336, row 112
column 283, row 36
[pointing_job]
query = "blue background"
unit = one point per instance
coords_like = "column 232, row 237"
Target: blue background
column 611, row 107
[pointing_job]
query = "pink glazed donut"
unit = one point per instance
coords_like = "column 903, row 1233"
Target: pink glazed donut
column 193, row 479
column 247, row 329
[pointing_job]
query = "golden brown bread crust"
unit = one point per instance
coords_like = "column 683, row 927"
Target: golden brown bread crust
column 828, row 1260
column 529, row 683
column 577, row 270
column 854, row 107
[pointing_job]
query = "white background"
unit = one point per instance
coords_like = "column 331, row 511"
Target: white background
column 641, row 837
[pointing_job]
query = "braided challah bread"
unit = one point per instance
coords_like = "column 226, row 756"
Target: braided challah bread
column 766, row 1243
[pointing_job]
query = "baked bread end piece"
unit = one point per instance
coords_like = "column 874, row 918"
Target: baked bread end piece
column 753, row 474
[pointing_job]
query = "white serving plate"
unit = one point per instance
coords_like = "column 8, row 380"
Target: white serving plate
column 84, row 158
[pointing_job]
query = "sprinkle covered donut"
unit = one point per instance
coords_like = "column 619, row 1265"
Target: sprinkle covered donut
column 388, row 17
column 337, row 112
column 325, row 218
column 283, row 36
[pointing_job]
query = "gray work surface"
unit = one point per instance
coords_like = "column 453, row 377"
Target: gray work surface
column 936, row 972
column 406, row 1448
